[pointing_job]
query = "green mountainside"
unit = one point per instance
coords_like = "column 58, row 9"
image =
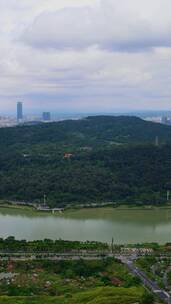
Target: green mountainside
column 95, row 130
column 94, row 160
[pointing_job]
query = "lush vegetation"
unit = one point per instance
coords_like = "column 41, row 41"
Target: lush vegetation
column 169, row 277
column 68, row 282
column 102, row 295
column 93, row 131
column 110, row 159
column 10, row 244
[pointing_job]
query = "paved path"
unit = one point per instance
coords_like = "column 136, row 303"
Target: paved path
column 53, row 256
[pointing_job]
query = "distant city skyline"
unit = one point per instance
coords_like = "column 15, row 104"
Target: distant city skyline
column 24, row 117
column 85, row 56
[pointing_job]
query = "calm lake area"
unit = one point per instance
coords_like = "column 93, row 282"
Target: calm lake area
column 125, row 226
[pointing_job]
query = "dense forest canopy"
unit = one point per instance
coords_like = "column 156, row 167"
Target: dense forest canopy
column 95, row 130
column 97, row 159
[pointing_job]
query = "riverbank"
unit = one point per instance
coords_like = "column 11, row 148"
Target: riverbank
column 6, row 205
column 30, row 208
column 68, row 210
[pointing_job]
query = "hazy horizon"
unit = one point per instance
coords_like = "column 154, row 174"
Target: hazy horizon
column 64, row 114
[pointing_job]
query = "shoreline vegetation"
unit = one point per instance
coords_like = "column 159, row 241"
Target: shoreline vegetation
column 13, row 245
column 70, row 209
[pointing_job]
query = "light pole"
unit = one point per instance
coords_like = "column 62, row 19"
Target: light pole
column 112, row 245
column 44, row 199
column 168, row 195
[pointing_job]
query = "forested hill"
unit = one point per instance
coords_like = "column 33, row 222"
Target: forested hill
column 98, row 159
column 93, row 131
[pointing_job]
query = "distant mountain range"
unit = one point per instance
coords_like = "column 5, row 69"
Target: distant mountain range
column 94, row 160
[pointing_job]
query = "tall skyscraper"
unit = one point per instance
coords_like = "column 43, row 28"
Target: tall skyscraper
column 46, row 116
column 19, row 111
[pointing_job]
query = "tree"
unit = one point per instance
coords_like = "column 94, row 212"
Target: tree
column 147, row 298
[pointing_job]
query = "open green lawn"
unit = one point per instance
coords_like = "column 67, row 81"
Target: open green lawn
column 100, row 295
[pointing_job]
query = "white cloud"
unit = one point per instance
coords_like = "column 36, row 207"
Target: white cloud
column 85, row 55
column 127, row 24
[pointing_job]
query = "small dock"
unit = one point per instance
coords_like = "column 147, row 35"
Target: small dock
column 47, row 209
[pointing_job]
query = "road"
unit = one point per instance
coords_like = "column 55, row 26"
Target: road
column 149, row 284
column 52, row 256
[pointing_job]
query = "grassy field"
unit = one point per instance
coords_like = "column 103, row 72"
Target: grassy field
column 100, row 295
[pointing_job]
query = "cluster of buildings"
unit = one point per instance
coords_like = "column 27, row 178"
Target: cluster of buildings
column 8, row 121
column 136, row 251
column 46, row 116
column 21, row 118
column 165, row 120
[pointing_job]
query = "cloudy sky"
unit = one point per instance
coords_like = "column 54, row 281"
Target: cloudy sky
column 85, row 55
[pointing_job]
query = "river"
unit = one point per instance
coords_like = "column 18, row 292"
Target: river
column 124, row 226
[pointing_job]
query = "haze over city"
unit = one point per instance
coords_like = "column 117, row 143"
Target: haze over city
column 84, row 56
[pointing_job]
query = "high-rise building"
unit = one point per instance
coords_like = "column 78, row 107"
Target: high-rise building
column 164, row 120
column 46, row 116
column 19, row 111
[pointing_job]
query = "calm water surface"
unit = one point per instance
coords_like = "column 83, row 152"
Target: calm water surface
column 126, row 226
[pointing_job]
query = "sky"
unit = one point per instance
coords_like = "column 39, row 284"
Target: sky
column 85, row 55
